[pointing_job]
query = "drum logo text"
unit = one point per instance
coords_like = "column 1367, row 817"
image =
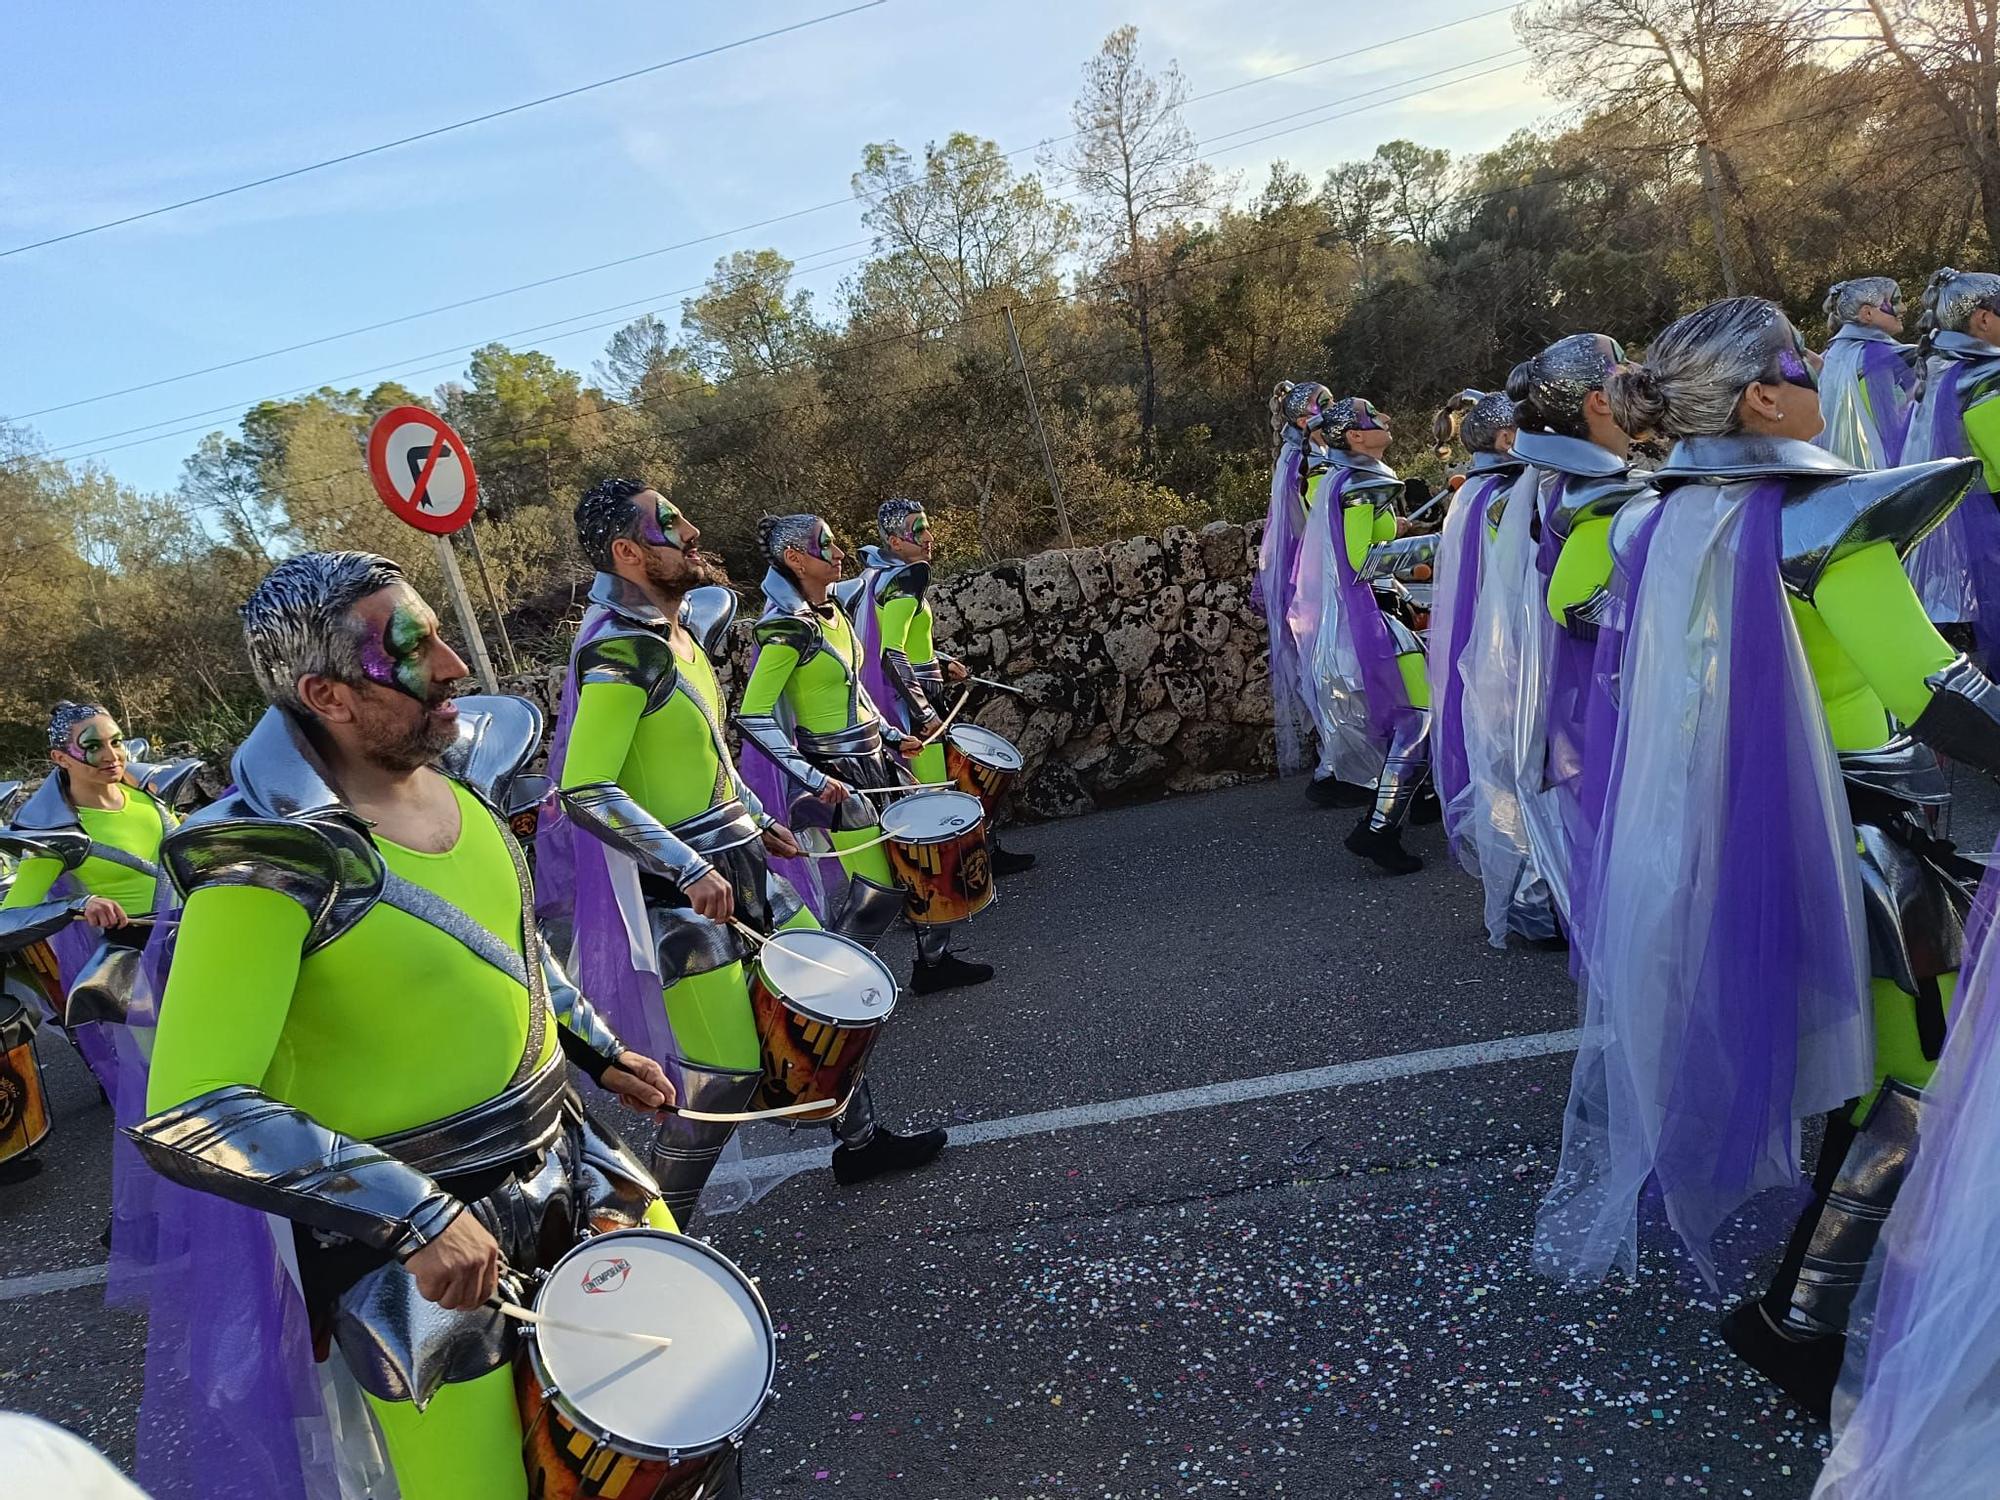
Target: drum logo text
column 606, row 1275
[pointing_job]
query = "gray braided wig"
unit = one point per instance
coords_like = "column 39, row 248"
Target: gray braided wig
column 295, row 624
column 1845, row 299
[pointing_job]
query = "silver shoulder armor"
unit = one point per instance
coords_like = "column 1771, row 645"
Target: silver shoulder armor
column 328, row 865
column 70, row 845
column 630, row 658
column 241, row 1144
column 498, row 734
column 1593, row 498
column 905, row 581
column 706, row 614
column 1825, row 521
column 848, row 592
column 170, row 783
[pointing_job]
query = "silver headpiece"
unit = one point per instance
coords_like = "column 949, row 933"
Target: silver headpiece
column 1344, row 416
column 1696, row 371
column 1954, row 296
column 1480, row 428
column 777, row 535
column 1549, row 390
column 64, row 718
column 1301, row 397
column 893, row 517
column 295, row 623
column 1845, row 299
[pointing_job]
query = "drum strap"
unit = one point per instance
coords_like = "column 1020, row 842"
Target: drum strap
column 428, row 907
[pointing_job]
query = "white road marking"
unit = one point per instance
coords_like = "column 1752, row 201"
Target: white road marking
column 1048, row 1121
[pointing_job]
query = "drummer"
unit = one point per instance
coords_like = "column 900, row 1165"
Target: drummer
column 92, row 829
column 901, row 666
column 646, row 781
column 810, row 726
column 363, row 1034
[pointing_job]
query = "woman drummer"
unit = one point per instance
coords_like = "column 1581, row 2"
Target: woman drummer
column 807, row 714
column 90, row 829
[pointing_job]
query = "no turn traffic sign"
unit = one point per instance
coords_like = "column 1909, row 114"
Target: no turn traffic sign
column 422, row 469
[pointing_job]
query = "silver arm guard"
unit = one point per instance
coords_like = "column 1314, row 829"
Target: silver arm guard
column 606, row 811
column 587, row 1040
column 910, row 685
column 23, row 926
column 772, row 741
column 241, row 1144
column 1962, row 720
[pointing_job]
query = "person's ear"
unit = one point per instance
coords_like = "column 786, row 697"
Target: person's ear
column 326, row 700
column 625, row 550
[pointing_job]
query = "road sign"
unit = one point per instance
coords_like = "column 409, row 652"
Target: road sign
column 422, row 470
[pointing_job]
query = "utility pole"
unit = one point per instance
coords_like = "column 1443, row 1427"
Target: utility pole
column 1717, row 221
column 1041, row 433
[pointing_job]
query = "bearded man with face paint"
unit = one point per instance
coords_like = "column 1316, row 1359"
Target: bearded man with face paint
column 809, row 721
column 92, row 829
column 902, row 669
column 1362, row 661
column 648, row 785
column 363, row 1034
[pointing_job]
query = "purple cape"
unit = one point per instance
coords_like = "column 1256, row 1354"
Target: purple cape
column 1277, row 564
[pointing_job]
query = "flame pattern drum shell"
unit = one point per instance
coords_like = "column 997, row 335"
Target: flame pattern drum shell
column 812, row 1054
column 985, row 764
column 937, row 847
column 24, row 1105
column 568, row 1456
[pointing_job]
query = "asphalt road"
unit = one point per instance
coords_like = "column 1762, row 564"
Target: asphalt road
column 1322, row 1291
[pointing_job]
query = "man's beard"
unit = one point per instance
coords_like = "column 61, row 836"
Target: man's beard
column 405, row 744
column 674, row 572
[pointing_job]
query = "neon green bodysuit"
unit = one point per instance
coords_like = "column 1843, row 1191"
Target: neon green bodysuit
column 1364, row 523
column 905, row 624
column 391, row 1025
column 667, row 761
column 137, row 828
column 818, row 694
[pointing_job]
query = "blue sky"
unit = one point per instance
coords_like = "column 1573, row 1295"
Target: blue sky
column 111, row 110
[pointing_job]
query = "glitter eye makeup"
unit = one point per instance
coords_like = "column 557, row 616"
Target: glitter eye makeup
column 1793, row 369
column 919, row 524
column 663, row 527
column 93, row 750
column 823, row 543
column 396, row 660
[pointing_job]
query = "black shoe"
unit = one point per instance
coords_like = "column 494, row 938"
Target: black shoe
column 885, row 1152
column 949, row 973
column 1009, row 861
column 1384, row 848
column 1427, row 809
column 104, row 1238
column 1804, row 1369
column 1331, row 791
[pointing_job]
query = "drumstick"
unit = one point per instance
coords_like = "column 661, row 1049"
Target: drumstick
column 939, row 733
column 851, row 848
column 989, row 682
column 764, row 942
column 529, row 1315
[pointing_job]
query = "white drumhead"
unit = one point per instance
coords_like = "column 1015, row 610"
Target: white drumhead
column 983, row 745
column 931, row 817
column 701, row 1392
column 828, row 977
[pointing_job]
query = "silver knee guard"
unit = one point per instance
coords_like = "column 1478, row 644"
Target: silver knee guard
column 1851, row 1219
column 855, row 1125
column 868, row 911
column 684, row 1150
column 1404, row 770
column 933, row 942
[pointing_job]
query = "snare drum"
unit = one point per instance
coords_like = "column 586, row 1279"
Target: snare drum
column 981, row 762
column 937, row 847
column 819, row 1001
column 605, row 1416
column 24, row 1106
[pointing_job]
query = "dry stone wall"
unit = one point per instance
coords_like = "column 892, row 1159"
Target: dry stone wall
column 1141, row 665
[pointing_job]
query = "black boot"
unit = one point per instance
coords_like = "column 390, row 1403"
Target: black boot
column 1331, row 791
column 948, row 973
column 885, row 1152
column 1427, row 808
column 1804, row 1369
column 1383, row 847
column 1009, row 861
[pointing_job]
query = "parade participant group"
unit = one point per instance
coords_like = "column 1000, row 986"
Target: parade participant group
column 1678, row 658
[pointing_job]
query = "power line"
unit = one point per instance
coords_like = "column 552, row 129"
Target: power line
column 425, row 135
column 765, row 223
column 403, row 365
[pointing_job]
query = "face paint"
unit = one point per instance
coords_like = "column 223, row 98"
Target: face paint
column 919, row 524
column 397, row 659
column 1793, row 369
column 822, row 547
column 1365, row 418
column 94, row 750
column 663, row 527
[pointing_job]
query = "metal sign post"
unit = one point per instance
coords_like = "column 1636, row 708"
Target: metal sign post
column 468, row 622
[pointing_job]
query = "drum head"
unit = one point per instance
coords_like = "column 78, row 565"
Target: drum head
column 708, row 1388
column 986, row 747
column 828, row 977
column 931, row 817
